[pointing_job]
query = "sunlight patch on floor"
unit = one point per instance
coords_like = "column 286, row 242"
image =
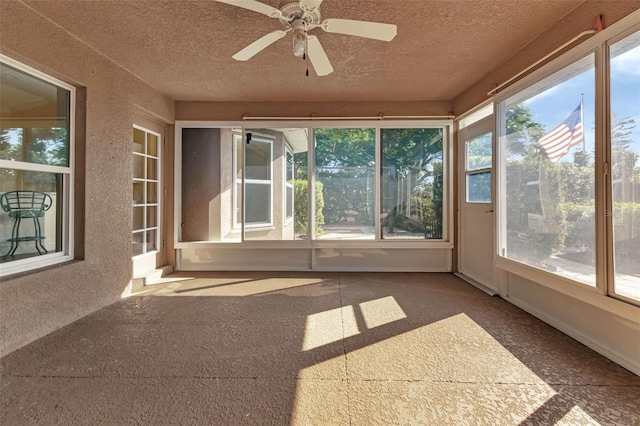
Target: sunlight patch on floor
column 235, row 287
column 381, row 311
column 577, row 416
column 329, row 327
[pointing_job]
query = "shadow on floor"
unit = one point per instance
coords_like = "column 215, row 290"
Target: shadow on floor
column 313, row 348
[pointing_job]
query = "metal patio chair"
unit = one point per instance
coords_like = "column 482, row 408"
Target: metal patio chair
column 25, row 205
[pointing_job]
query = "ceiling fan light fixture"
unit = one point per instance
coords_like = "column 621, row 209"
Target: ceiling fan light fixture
column 299, row 38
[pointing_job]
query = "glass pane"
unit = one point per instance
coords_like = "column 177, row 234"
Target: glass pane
column 152, row 145
column 289, row 207
column 138, row 192
column 152, row 217
column 138, row 141
column 152, row 192
column 272, row 203
column 138, row 166
column 37, row 126
column 257, row 204
column 301, row 196
column 345, row 173
column 258, row 160
column 289, row 167
column 31, row 215
column 238, row 204
column 625, row 164
column 152, row 244
column 152, row 168
column 138, row 218
column 137, row 245
column 479, row 152
column 412, row 173
column 479, row 187
column 549, row 174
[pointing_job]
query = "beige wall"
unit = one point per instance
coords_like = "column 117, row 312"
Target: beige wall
column 34, row 304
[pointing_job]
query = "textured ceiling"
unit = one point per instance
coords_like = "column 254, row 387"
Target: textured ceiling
column 184, row 48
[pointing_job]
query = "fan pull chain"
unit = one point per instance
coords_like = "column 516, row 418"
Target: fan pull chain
column 305, row 56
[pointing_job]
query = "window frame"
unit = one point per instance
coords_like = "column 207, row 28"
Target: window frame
column 477, row 171
column 289, row 152
column 145, row 181
column 254, row 226
column 598, row 46
column 68, row 176
column 446, row 243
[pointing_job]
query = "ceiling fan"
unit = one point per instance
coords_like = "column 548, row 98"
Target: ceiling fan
column 301, row 17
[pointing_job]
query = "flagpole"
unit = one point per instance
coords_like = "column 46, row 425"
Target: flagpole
column 584, row 146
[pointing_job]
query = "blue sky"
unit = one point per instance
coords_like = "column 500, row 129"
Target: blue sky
column 554, row 105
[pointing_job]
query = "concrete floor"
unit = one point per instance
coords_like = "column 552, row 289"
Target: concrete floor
column 313, row 349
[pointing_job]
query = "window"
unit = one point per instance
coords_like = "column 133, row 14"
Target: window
column 625, row 165
column 345, row 173
column 358, row 176
column 412, row 183
column 289, row 185
column 146, row 187
column 36, row 156
column 548, row 174
column 257, row 186
column 478, row 169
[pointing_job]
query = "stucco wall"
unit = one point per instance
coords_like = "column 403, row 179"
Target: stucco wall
column 34, row 304
column 201, row 185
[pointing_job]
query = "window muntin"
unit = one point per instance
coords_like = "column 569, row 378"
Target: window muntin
column 478, row 163
column 412, row 183
column 547, row 190
column 624, row 59
column 146, row 184
column 345, row 173
column 36, row 146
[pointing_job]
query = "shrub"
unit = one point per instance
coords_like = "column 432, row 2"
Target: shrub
column 301, row 208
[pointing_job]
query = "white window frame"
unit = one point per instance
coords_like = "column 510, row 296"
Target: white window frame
column 257, row 137
column 596, row 45
column 477, row 171
column 145, row 181
column 288, row 219
column 67, row 200
column 236, row 202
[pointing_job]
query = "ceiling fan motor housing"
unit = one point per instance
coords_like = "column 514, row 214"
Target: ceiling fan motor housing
column 293, row 11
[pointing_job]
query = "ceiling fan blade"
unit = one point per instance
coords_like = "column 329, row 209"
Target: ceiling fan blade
column 256, row 6
column 258, row 45
column 307, row 5
column 375, row 30
column 318, row 58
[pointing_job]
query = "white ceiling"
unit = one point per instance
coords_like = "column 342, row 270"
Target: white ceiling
column 183, row 48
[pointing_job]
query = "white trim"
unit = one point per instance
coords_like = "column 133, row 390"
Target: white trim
column 268, row 140
column 580, row 337
column 301, row 244
column 288, row 219
column 145, row 181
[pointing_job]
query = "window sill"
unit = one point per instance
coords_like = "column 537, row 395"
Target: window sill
column 579, row 291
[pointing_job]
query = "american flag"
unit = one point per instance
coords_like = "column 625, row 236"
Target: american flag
column 557, row 142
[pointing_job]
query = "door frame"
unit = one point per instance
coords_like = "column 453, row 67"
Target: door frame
column 482, row 126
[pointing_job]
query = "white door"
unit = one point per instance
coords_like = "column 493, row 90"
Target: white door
column 476, row 230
